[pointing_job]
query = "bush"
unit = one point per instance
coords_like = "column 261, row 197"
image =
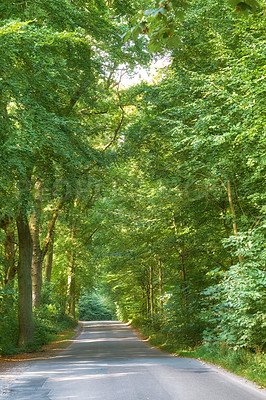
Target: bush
column 181, row 322
column 49, row 320
column 251, row 365
column 235, row 308
column 93, row 308
column 8, row 321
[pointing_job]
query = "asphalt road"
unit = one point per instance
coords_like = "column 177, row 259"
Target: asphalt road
column 108, row 362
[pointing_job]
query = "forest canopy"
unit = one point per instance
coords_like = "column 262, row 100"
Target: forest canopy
column 143, row 203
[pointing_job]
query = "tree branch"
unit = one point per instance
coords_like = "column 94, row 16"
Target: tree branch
column 117, row 129
column 111, row 141
column 95, row 230
column 51, row 228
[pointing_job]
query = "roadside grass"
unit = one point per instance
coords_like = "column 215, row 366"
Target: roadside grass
column 60, row 338
column 56, row 343
column 242, row 362
column 46, row 331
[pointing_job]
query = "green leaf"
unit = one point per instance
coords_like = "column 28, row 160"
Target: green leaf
column 155, row 46
column 135, row 32
column 173, row 42
column 143, row 25
column 126, row 35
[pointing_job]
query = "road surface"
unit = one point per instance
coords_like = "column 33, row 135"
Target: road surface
column 108, row 362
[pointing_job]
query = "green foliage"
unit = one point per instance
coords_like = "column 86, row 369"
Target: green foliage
column 238, row 303
column 163, row 20
column 194, row 177
column 240, row 361
column 159, row 22
column 181, row 318
column 52, row 298
column 94, row 308
column 162, row 184
column 48, row 321
column 60, row 110
column 8, row 321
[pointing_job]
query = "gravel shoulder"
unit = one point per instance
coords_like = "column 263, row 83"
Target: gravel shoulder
column 12, row 366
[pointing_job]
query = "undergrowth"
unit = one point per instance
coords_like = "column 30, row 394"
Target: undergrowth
column 49, row 321
column 243, row 362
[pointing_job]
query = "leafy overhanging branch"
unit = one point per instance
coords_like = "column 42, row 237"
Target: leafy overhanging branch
column 162, row 20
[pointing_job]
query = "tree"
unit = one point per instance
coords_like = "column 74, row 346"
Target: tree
column 163, row 20
column 196, row 136
column 57, row 62
column 154, row 190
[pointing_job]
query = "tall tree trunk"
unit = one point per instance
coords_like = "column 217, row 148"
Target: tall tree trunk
column 181, row 253
column 181, row 248
column 160, row 283
column 147, row 290
column 72, row 289
column 233, row 212
column 148, row 300
column 51, row 228
column 143, row 299
column 49, row 262
column 227, row 232
column 38, row 252
column 232, row 208
column 151, row 291
column 25, row 316
column 72, row 277
column 36, row 268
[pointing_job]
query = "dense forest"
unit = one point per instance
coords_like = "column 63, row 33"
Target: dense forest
column 144, row 202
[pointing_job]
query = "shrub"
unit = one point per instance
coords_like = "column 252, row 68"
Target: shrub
column 8, row 321
column 235, row 307
column 93, row 308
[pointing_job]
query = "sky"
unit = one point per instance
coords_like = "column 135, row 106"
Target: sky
column 144, row 74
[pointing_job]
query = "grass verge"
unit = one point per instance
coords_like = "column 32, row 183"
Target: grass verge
column 57, row 343
column 249, row 365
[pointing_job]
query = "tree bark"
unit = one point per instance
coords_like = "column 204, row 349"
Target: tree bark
column 147, row 290
column 181, row 249
column 36, row 268
column 72, row 277
column 51, row 228
column 232, row 208
column 181, row 253
column 233, row 212
column 143, row 291
column 151, row 291
column 25, row 316
column 227, row 233
column 38, row 253
column 160, row 283
column 49, row 262
column 148, row 300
